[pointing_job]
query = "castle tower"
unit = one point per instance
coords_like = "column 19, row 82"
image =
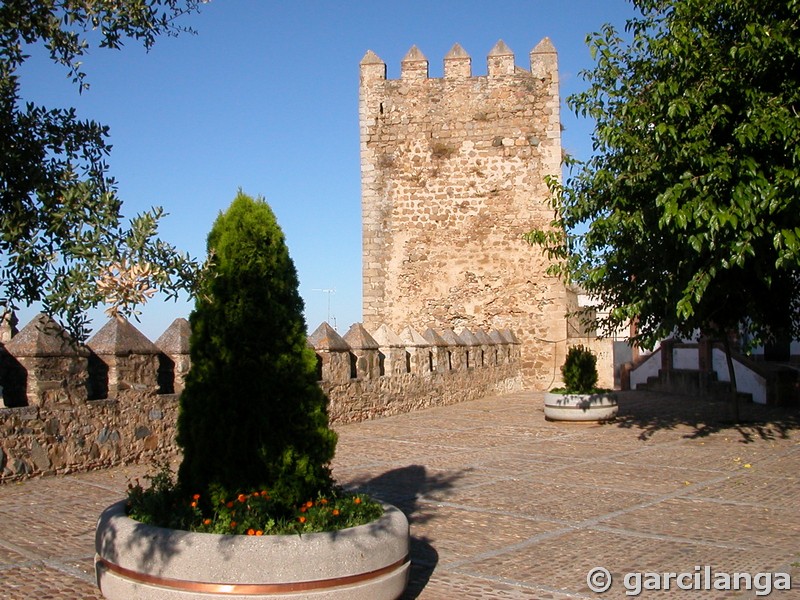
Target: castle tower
column 453, row 174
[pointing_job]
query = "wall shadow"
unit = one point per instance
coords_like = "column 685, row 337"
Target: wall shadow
column 650, row 412
column 402, row 487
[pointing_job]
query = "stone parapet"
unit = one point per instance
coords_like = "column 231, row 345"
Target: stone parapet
column 72, row 413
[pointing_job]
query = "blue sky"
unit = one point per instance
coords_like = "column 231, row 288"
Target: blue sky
column 265, row 97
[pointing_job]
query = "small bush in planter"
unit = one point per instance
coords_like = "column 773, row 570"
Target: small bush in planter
column 579, row 371
column 253, row 422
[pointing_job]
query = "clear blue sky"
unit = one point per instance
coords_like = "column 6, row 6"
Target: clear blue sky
column 265, row 97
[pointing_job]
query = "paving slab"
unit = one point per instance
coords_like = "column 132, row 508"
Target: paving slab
column 504, row 504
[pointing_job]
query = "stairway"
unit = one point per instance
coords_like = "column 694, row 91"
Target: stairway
column 691, row 382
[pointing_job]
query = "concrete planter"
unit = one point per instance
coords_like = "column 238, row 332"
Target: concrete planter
column 580, row 407
column 142, row 562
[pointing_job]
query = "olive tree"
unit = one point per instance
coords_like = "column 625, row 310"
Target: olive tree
column 63, row 239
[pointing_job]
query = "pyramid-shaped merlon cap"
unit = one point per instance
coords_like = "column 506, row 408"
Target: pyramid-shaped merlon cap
column 387, row 338
column 42, row 337
column 451, row 337
column 457, row 63
column 119, row 338
column 509, row 335
column 468, row 337
column 326, row 338
column 175, row 339
column 359, row 338
column 372, row 68
column 457, row 53
column 414, row 55
column 433, row 338
column 544, row 47
column 483, row 337
column 497, row 337
column 500, row 49
column 370, row 58
column 411, row 337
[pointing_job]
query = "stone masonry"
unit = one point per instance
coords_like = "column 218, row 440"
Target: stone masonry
column 453, row 174
column 68, row 407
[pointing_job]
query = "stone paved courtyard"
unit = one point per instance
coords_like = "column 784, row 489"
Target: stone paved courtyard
column 503, row 504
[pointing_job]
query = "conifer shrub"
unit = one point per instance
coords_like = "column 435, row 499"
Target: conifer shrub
column 252, row 416
column 579, row 370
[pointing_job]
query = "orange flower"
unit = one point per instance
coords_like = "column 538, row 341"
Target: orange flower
column 323, row 501
column 335, row 512
column 206, row 521
column 357, row 500
column 233, row 524
column 242, row 498
column 230, row 504
column 301, row 519
column 259, row 532
column 251, row 532
column 264, row 493
column 194, row 505
column 303, row 509
column 196, row 497
column 309, row 504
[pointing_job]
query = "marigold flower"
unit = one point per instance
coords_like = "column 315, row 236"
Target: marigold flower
column 309, row 504
column 259, row 532
column 206, row 521
column 196, row 497
column 251, row 532
column 303, row 509
column 335, row 512
column 301, row 519
column 229, row 504
column 323, row 501
column 357, row 500
column 193, row 504
column 233, row 524
column 264, row 493
column 242, row 498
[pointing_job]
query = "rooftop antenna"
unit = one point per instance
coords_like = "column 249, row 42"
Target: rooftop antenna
column 328, row 291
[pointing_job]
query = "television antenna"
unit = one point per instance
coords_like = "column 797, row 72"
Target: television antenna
column 330, row 292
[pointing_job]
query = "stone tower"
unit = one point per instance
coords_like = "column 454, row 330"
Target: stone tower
column 453, row 174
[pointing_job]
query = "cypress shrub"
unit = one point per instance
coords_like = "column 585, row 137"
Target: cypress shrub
column 579, row 370
column 252, row 415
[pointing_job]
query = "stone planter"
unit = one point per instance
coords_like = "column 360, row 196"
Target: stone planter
column 142, row 562
column 580, row 407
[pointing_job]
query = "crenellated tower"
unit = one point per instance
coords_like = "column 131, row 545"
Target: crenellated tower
column 453, row 174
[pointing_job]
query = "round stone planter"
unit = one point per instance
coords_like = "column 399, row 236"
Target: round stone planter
column 580, row 407
column 142, row 562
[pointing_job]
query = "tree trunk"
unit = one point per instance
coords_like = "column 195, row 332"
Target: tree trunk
column 732, row 376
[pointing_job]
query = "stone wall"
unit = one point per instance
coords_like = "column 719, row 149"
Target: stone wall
column 66, row 407
column 368, row 376
column 453, row 174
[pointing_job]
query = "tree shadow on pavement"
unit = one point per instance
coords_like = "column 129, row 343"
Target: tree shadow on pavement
column 651, row 412
column 402, row 487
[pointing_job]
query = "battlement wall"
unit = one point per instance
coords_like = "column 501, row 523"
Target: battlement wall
column 65, row 407
column 453, row 174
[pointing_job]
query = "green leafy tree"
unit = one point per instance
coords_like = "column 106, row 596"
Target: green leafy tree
column 687, row 217
column 252, row 415
column 63, row 240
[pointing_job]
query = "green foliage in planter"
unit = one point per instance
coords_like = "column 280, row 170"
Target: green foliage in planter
column 579, row 370
column 252, row 415
column 163, row 504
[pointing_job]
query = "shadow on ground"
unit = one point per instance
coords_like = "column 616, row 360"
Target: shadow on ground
column 402, row 487
column 650, row 413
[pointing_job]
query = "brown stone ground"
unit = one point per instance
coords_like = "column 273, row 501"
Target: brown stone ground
column 504, row 504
